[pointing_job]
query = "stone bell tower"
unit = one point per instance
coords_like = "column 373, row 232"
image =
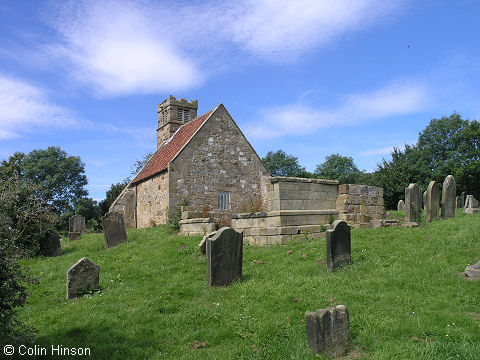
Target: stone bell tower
column 172, row 114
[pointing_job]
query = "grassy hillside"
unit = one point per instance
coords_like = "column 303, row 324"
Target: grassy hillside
column 403, row 290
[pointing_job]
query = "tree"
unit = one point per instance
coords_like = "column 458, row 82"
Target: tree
column 90, row 210
column 341, row 168
column 111, row 195
column 60, row 178
column 281, row 164
column 140, row 163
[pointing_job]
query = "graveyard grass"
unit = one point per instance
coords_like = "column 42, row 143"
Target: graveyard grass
column 404, row 292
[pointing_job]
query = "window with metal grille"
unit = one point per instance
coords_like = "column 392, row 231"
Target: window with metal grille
column 186, row 115
column 223, row 198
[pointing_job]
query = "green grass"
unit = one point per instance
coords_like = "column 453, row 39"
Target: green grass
column 403, row 291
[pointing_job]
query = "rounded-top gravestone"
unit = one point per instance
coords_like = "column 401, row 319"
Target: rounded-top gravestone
column 449, row 191
column 338, row 245
column 433, row 200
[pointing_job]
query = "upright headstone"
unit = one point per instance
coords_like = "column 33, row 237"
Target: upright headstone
column 458, row 202
column 328, row 330
column 338, row 245
column 113, row 229
column 424, row 198
column 82, row 276
column 433, row 200
column 471, row 205
column 449, row 190
column 401, row 205
column 224, row 257
column 76, row 227
column 463, row 198
column 52, row 244
column 413, row 203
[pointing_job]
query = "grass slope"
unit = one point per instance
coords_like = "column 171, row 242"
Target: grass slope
column 404, row 293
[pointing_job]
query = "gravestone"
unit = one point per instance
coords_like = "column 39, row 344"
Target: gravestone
column 471, row 205
column 77, row 224
column 203, row 244
column 458, row 202
column 74, row 236
column 52, row 244
column 463, row 198
column 449, row 190
column 413, row 203
column 401, row 205
column 433, row 200
column 224, row 257
column 113, row 229
column 328, row 330
column 473, row 270
column 338, row 245
column 82, row 276
column 424, row 198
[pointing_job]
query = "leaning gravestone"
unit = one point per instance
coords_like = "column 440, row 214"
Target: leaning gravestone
column 224, row 257
column 52, row 244
column 413, row 203
column 473, row 270
column 433, row 200
column 338, row 245
column 401, row 205
column 113, row 229
column 449, row 190
column 82, row 276
column 328, row 330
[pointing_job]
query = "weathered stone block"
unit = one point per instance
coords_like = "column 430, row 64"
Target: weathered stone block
column 328, row 330
column 77, row 224
column 72, row 236
column 82, row 276
column 473, row 270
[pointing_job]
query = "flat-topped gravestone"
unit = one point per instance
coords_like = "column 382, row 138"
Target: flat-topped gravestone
column 77, row 224
column 328, row 330
column 52, row 244
column 338, row 245
column 449, row 190
column 82, row 276
column 113, row 229
column 413, row 203
column 433, row 200
column 401, row 205
column 224, row 257
column 473, row 270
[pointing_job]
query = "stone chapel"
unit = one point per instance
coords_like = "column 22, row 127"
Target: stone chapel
column 205, row 161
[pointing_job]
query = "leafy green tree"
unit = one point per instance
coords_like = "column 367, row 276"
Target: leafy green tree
column 140, row 163
column 341, row 168
column 467, row 171
column 281, row 164
column 90, row 210
column 12, row 166
column 111, row 195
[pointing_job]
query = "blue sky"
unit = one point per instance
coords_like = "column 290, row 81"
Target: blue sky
column 310, row 77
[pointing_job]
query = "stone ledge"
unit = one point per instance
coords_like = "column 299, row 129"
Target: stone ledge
column 196, row 221
column 275, row 179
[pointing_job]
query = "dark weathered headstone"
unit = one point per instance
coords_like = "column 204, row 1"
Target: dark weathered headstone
column 113, row 229
column 473, row 270
column 401, row 205
column 224, row 257
column 338, row 245
column 463, row 198
column 74, row 236
column 77, row 224
column 328, row 330
column 458, row 202
column 203, row 244
column 82, row 276
column 52, row 244
column 413, row 203
column 449, row 190
column 433, row 201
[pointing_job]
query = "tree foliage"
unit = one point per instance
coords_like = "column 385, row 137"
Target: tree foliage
column 140, row 163
column 281, row 164
column 341, row 168
column 111, row 195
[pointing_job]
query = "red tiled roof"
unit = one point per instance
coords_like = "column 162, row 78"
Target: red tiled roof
column 159, row 161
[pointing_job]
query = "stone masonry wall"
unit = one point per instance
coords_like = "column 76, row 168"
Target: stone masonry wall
column 125, row 204
column 217, row 158
column 359, row 204
column 152, row 201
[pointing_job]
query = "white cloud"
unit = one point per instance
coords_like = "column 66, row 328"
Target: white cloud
column 127, row 47
column 281, row 29
column 398, row 98
column 25, row 108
